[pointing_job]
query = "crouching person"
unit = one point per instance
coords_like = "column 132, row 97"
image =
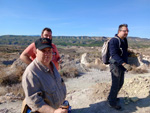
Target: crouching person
column 44, row 88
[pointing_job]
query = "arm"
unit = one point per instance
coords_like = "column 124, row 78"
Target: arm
column 59, row 60
column 49, row 109
column 25, row 58
column 56, row 58
column 31, row 86
column 57, row 53
column 27, row 53
column 127, row 66
column 46, row 109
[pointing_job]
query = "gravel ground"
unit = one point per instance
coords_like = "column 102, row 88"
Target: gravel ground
column 87, row 94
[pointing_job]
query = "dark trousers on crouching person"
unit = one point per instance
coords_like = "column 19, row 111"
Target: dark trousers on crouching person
column 117, row 75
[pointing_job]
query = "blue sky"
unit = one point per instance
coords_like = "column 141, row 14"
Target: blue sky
column 74, row 17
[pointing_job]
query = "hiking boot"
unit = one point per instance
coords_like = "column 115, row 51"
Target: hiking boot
column 117, row 107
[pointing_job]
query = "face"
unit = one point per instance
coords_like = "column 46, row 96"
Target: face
column 47, row 34
column 44, row 55
column 123, row 32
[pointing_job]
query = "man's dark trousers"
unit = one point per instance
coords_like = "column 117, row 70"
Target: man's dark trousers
column 117, row 75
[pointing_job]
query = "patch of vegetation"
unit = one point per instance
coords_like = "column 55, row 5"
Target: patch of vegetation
column 137, row 70
column 12, row 78
column 17, row 40
column 84, row 41
column 58, row 40
column 10, row 48
column 69, row 72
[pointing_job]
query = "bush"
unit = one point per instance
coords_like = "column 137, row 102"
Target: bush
column 9, row 80
column 69, row 72
column 11, row 83
column 16, row 89
column 101, row 67
column 12, row 78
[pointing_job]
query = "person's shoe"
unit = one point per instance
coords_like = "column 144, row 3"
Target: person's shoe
column 117, row 107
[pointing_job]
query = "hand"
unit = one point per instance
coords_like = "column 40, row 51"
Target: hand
column 60, row 61
column 128, row 67
column 60, row 110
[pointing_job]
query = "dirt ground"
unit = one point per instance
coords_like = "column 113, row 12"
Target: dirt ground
column 88, row 93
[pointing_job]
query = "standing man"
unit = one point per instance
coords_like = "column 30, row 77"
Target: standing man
column 28, row 55
column 118, row 63
column 44, row 88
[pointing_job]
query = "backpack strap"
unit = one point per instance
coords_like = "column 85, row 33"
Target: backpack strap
column 118, row 40
column 119, row 44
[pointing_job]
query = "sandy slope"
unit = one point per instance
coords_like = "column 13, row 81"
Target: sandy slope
column 88, row 93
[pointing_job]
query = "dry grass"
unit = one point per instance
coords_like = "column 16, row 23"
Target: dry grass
column 69, row 72
column 138, row 70
column 9, row 80
column 16, row 90
column 101, row 67
column 144, row 51
column 12, row 78
column 3, row 91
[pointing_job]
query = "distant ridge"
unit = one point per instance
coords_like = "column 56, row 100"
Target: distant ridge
column 24, row 40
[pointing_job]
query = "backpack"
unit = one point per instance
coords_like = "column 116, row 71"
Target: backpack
column 105, row 51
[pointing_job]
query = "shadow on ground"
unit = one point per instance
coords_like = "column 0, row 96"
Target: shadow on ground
column 141, row 106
